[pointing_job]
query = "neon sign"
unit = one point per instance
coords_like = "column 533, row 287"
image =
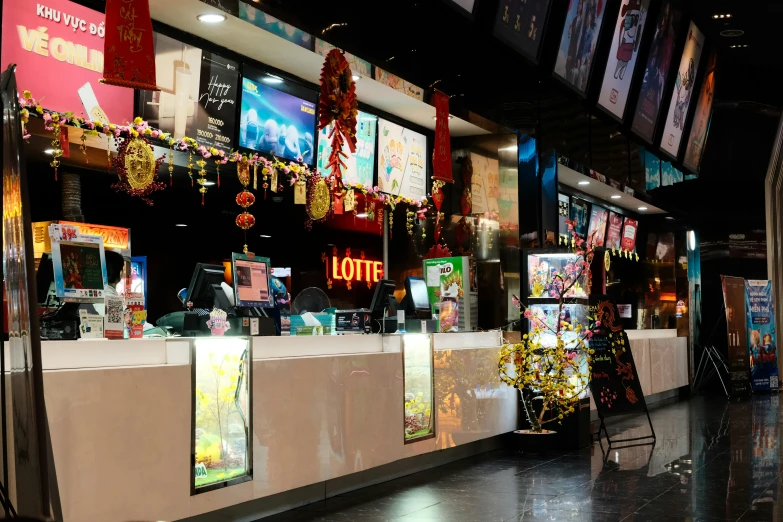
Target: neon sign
column 350, row 269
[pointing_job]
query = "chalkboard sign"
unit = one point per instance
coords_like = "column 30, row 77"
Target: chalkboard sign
column 614, row 381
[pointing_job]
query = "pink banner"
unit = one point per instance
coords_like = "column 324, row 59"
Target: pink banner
column 58, row 47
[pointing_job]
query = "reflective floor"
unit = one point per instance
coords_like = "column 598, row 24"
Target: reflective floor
column 714, row 460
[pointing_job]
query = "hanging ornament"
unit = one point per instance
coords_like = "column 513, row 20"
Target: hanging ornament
column 319, row 199
column 190, row 168
column 255, row 176
column 265, row 184
column 217, row 170
column 83, row 148
column 441, row 152
column 202, row 179
column 137, row 169
column 349, row 201
column 466, row 171
column 338, row 107
column 391, row 221
column 409, row 221
column 171, row 165
column 56, row 151
column 369, row 208
column 128, row 46
column 243, row 172
column 108, row 151
column 245, row 221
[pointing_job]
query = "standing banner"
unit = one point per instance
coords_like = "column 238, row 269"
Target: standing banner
column 737, row 356
column 760, row 313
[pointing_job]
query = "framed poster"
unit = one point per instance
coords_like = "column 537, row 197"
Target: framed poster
column 614, row 231
column 79, row 263
column 359, row 166
column 630, row 230
column 485, row 184
column 596, row 232
column 627, row 37
column 198, row 94
column 656, row 72
column 701, row 119
column 683, row 90
column 579, row 217
column 520, row 25
column 577, row 43
column 402, row 163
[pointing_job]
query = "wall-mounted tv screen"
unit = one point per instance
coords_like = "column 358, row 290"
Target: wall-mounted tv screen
column 577, row 44
column 701, row 119
column 402, row 161
column 276, row 123
column 596, row 232
column 359, row 166
column 648, row 106
column 579, row 216
column 683, row 91
column 628, row 32
column 614, row 231
column 520, row 24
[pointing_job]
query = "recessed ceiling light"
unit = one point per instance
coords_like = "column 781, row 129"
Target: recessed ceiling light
column 265, row 236
column 450, row 117
column 584, row 183
column 356, row 77
column 49, row 151
column 732, row 33
column 642, row 208
column 271, row 78
column 211, row 18
column 669, row 217
column 180, row 225
column 209, row 183
column 362, row 215
column 616, row 196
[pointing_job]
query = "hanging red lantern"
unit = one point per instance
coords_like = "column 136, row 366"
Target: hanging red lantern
column 245, row 220
column 245, row 199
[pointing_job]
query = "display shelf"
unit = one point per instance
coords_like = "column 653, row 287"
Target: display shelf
column 418, row 373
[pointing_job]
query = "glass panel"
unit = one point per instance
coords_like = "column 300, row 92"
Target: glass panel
column 222, row 410
column 417, row 378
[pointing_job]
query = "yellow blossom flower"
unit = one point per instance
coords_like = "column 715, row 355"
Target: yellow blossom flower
column 137, row 120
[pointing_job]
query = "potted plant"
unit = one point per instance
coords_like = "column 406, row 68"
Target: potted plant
column 550, row 365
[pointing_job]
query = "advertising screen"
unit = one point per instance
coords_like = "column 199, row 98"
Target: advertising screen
column 402, row 161
column 683, row 90
column 577, row 44
column 245, row 11
column 359, row 166
column 276, row 123
column 701, row 119
column 614, row 231
column 58, row 47
column 579, row 217
column 520, row 25
column 628, row 34
column 596, row 233
column 251, row 281
column 630, row 229
column 79, row 263
column 645, row 118
column 198, row 94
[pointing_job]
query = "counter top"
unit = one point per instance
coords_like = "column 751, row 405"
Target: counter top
column 651, row 334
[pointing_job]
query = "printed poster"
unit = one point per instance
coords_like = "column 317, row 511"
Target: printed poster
column 579, row 217
column 563, row 215
column 359, row 166
column 669, row 174
column 398, row 84
column 701, row 119
column 596, row 233
column 622, row 56
column 520, row 25
column 358, row 66
column 683, row 90
column 402, row 164
column 656, row 72
column 508, row 201
column 485, row 184
column 577, row 44
column 271, row 24
column 762, row 335
column 614, row 231
column 58, row 47
column 628, row 240
column 197, row 97
column 736, row 326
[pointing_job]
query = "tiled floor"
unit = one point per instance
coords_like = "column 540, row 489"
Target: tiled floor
column 714, row 460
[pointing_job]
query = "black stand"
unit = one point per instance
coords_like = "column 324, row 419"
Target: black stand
column 704, row 372
column 650, row 438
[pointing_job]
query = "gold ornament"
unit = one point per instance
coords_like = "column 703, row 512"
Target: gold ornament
column 607, row 261
column 320, row 202
column 140, row 164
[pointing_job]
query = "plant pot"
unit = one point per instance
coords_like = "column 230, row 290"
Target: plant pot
column 528, row 441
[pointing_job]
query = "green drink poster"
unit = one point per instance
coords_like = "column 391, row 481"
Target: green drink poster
column 446, row 280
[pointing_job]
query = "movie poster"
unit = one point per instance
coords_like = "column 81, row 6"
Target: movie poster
column 58, row 49
column 656, row 71
column 701, row 119
column 520, row 24
column 683, row 90
column 614, row 231
column 669, row 174
column 402, row 163
column 622, row 56
column 359, row 166
column 577, row 45
column 596, row 233
column 197, row 97
column 628, row 240
column 762, row 335
column 485, row 184
column 736, row 326
column 579, row 217
column 276, row 123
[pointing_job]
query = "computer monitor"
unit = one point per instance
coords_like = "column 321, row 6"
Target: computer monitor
column 251, row 281
column 380, row 300
column 204, row 286
column 416, row 302
column 44, row 279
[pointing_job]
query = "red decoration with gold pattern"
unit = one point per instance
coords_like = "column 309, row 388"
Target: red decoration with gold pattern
column 441, row 152
column 128, row 49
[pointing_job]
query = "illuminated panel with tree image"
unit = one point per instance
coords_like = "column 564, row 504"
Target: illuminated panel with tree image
column 222, row 412
column 417, row 361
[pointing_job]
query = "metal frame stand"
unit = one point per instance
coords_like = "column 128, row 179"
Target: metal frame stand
column 652, row 439
column 711, row 363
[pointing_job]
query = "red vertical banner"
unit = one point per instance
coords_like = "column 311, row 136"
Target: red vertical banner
column 129, row 48
column 441, row 153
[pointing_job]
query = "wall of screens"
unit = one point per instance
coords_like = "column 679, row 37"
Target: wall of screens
column 520, row 24
column 700, row 126
column 578, row 43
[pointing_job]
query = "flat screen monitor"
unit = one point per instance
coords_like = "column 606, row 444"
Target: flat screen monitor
column 628, row 32
column 578, row 43
column 656, row 72
column 44, row 278
column 251, row 281
column 276, row 123
column 596, row 232
column 417, row 301
column 359, row 165
column 79, row 264
column 520, row 24
column 201, row 291
column 402, row 161
column 701, row 119
column 579, row 217
column 380, row 300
